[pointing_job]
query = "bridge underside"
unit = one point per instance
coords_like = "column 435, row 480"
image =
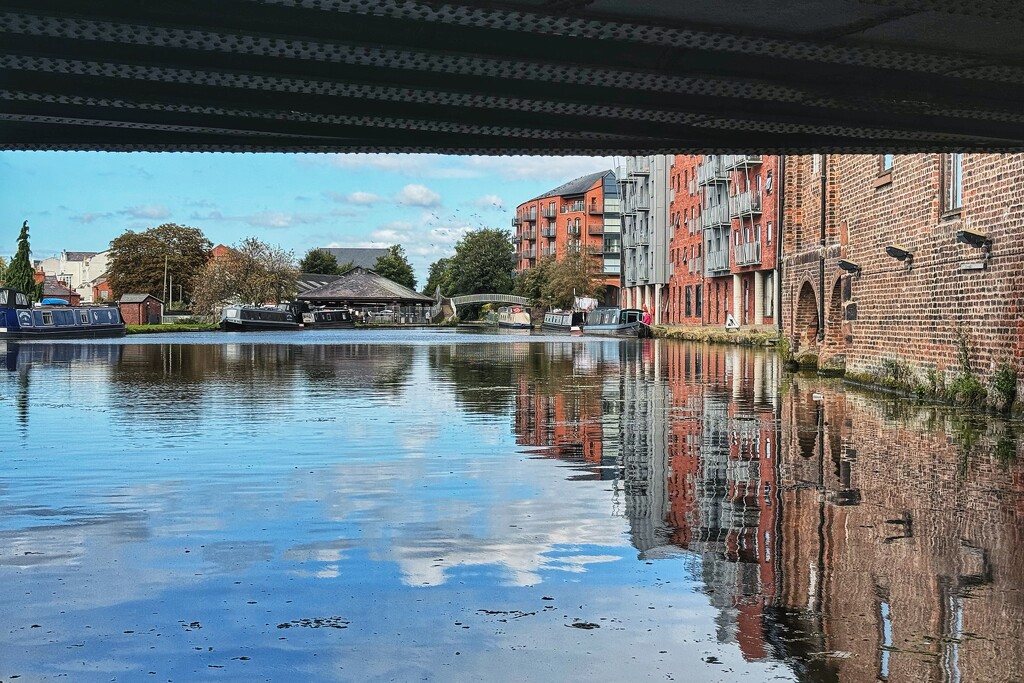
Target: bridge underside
column 519, row 76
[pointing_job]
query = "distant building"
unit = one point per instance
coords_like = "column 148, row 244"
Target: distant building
column 371, row 295
column 359, row 257
column 77, row 269
column 56, row 289
column 582, row 214
column 219, row 252
column 101, row 290
column 644, row 184
column 141, row 309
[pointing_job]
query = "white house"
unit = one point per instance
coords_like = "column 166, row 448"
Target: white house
column 77, row 269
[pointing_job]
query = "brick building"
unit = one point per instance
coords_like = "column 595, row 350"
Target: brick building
column 581, row 214
column 910, row 259
column 140, row 309
column 723, row 240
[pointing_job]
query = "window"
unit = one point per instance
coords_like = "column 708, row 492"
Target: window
column 689, row 302
column 816, row 164
column 953, row 179
column 886, row 161
column 769, row 235
column 83, row 317
column 47, row 318
column 697, row 301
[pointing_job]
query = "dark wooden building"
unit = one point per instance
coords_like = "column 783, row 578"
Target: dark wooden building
column 372, row 297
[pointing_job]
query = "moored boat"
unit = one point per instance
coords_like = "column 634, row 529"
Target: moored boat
column 563, row 321
column 515, row 318
column 20, row 320
column 616, row 322
column 265, row 318
column 328, row 318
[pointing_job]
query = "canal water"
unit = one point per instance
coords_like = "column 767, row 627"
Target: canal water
column 434, row 505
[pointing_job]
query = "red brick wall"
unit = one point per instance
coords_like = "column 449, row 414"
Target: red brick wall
column 685, row 243
column 138, row 314
column 915, row 315
column 102, row 292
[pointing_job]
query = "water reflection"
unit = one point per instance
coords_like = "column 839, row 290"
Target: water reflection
column 717, row 518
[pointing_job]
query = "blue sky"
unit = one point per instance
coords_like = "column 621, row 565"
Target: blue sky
column 79, row 201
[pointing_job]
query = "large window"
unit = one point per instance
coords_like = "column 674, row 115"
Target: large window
column 953, row 180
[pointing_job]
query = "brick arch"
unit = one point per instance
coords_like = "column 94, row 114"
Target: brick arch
column 834, row 338
column 806, row 320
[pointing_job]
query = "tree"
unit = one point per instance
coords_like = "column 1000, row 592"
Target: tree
column 533, row 282
column 483, row 263
column 137, row 260
column 575, row 274
column 20, row 274
column 319, row 261
column 437, row 276
column 253, row 273
column 395, row 267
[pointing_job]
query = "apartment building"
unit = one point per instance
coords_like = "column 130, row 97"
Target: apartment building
column 582, row 214
column 646, row 196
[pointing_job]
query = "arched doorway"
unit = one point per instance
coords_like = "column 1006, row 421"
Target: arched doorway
column 834, row 338
column 805, row 330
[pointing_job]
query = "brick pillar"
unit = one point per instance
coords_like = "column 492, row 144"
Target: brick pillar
column 737, row 299
column 758, row 297
column 656, row 313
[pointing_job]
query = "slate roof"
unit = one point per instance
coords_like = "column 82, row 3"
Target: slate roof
column 308, row 281
column 577, row 186
column 364, row 257
column 135, row 298
column 56, row 288
column 362, row 285
column 79, row 255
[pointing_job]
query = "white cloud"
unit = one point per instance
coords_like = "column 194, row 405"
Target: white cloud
column 490, row 202
column 152, row 211
column 418, row 195
column 363, row 198
column 272, row 219
column 519, row 167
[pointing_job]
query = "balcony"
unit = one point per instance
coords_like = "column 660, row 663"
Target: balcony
column 595, row 249
column 715, row 216
column 712, row 171
column 517, row 239
column 531, row 216
column 745, row 204
column 595, row 209
column 641, row 238
column 642, row 202
column 573, row 230
column 718, row 261
column 548, row 251
column 530, row 234
column 530, row 253
column 573, row 207
column 547, row 232
column 549, row 212
column 595, row 229
column 516, row 222
column 748, row 254
column 734, row 161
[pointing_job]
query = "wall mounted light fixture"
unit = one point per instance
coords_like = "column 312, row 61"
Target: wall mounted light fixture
column 849, row 266
column 900, row 253
column 974, row 238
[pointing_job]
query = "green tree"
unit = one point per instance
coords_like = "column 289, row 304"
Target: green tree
column 483, row 263
column 437, row 276
column 395, row 267
column 19, row 274
column 253, row 273
column 319, row 261
column 575, row 274
column 137, row 260
column 533, row 282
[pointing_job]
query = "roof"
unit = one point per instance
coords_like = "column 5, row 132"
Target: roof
column 364, row 257
column 54, row 287
column 577, row 186
column 136, row 298
column 308, row 281
column 362, row 285
column 79, row 255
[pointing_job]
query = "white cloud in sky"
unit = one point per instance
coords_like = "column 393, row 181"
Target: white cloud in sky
column 418, row 195
column 519, row 167
column 358, row 198
column 490, row 202
column 152, row 211
column 273, row 219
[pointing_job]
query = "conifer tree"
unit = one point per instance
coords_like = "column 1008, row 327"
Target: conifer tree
column 19, row 274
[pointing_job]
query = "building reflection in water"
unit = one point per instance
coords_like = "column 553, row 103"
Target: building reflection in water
column 856, row 538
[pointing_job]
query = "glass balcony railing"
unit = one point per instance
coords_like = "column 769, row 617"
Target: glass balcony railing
column 745, row 204
column 748, row 253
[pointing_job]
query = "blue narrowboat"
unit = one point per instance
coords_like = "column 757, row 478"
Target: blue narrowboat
column 20, row 320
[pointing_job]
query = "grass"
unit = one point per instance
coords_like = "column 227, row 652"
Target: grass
column 716, row 335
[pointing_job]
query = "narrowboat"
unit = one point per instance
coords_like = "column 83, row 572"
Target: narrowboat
column 251, row 318
column 563, row 321
column 616, row 322
column 20, row 320
column 328, row 318
column 514, row 318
